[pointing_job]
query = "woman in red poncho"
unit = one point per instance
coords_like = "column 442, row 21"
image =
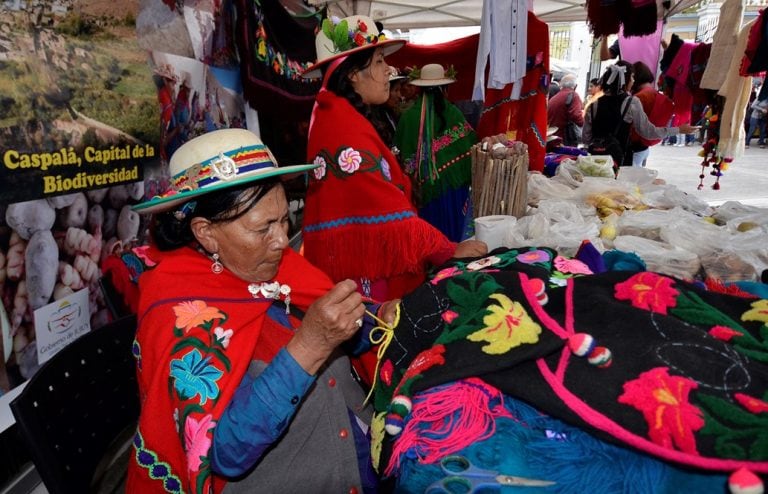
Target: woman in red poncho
column 242, row 378
column 359, row 218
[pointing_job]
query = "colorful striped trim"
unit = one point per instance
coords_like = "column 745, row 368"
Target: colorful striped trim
column 504, row 101
column 538, row 135
column 449, row 163
column 359, row 220
column 157, row 470
column 225, row 166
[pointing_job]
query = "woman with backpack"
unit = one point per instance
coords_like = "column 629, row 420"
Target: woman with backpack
column 607, row 123
column 657, row 107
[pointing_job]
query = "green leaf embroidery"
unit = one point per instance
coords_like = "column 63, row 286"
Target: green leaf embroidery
column 470, row 303
column 734, row 428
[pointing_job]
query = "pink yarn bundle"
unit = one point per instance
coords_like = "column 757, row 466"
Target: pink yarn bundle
column 447, row 419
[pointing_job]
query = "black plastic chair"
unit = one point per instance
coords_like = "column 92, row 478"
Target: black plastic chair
column 79, row 410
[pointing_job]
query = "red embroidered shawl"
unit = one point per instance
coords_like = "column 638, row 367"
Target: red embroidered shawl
column 198, row 333
column 359, row 220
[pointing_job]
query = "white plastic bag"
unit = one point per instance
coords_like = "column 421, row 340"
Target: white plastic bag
column 660, row 256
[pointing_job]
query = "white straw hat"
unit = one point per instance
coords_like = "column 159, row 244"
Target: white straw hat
column 432, row 74
column 339, row 38
column 215, row 161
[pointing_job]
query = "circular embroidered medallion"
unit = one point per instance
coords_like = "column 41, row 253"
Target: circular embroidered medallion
column 225, row 167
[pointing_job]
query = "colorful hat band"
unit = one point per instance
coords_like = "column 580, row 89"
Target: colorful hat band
column 222, row 168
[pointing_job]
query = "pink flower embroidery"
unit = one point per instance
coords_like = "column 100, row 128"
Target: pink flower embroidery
column 534, row 256
column 449, row 315
column 445, row 273
column 663, row 401
column 724, row 333
column 649, row 291
column 319, row 172
column 754, row 405
column 349, row 160
column 197, row 440
column 573, row 266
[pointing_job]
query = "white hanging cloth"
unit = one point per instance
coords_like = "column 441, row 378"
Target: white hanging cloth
column 503, row 45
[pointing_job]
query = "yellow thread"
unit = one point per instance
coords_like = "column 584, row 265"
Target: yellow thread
column 381, row 335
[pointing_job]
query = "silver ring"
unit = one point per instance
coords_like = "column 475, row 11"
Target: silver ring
column 359, row 322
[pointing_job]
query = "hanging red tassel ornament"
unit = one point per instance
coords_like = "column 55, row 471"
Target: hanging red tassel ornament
column 709, row 156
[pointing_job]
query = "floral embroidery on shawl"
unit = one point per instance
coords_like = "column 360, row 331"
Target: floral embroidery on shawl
column 507, row 325
column 347, row 161
column 194, row 377
column 647, row 290
column 663, row 401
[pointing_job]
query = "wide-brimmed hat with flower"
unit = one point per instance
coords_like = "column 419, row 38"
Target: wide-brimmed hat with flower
column 215, row 161
column 432, row 74
column 342, row 37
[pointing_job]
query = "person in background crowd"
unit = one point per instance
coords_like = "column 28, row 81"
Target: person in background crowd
column 593, row 92
column 240, row 350
column 564, row 109
column 359, row 219
column 393, row 108
column 435, row 141
column 408, row 92
column 554, row 87
column 757, row 121
column 616, row 110
column 657, row 107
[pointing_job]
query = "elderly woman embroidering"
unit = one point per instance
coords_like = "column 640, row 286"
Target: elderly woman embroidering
column 243, row 380
column 359, row 220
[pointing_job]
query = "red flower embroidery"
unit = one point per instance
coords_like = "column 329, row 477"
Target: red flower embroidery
column 724, row 333
column 423, row 361
column 361, row 26
column 386, row 372
column 752, row 404
column 648, row 291
column 663, row 401
column 359, row 39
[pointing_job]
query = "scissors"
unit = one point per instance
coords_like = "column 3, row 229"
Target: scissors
column 461, row 477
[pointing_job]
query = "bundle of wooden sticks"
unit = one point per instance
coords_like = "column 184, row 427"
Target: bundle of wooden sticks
column 499, row 178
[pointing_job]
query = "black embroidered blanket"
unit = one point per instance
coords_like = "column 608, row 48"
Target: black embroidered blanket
column 636, row 358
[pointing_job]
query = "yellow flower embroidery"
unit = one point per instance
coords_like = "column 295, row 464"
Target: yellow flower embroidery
column 194, row 313
column 507, row 326
column 759, row 312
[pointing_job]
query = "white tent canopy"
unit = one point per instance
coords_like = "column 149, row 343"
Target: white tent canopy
column 412, row 14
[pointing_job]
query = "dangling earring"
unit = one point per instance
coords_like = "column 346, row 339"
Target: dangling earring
column 217, row 267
